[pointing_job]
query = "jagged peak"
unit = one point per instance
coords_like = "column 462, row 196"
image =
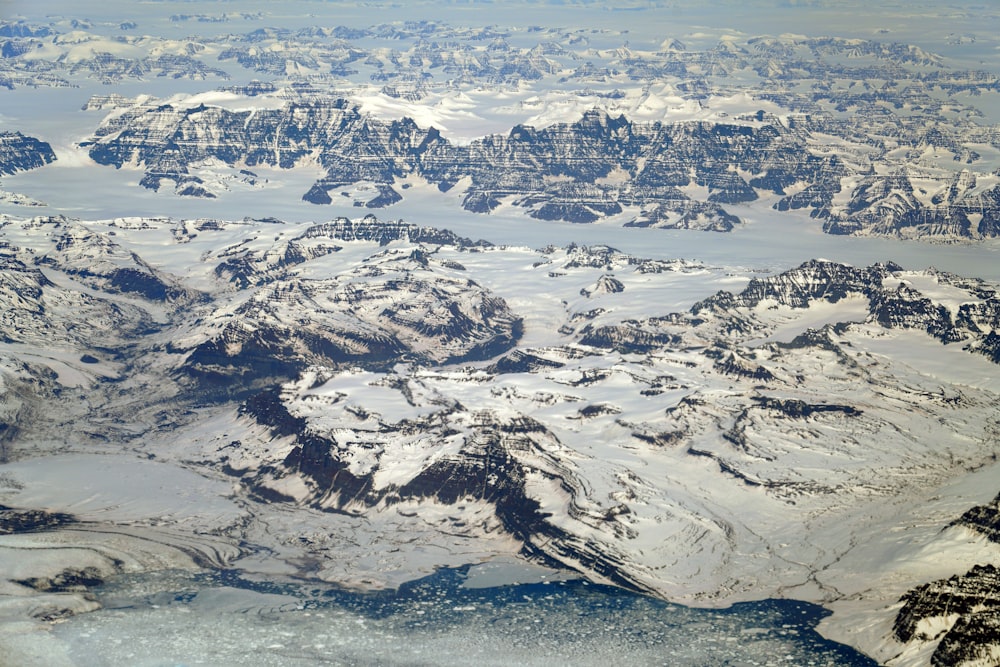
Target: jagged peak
column 600, row 118
column 606, row 284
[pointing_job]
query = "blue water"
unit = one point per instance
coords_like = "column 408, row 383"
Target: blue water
column 224, row 619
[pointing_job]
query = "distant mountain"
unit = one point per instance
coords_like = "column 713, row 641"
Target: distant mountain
column 650, row 174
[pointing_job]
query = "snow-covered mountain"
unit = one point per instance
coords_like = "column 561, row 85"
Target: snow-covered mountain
column 662, row 174
column 200, row 379
column 20, row 153
column 754, row 444
column 869, row 137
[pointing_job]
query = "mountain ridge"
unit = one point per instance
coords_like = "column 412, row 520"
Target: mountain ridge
column 651, row 174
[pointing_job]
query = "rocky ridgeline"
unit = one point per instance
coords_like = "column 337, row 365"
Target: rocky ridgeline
column 889, row 205
column 22, row 62
column 962, row 613
column 676, row 175
column 983, row 519
column 798, row 288
column 22, row 153
column 893, row 303
column 247, row 268
column 93, row 258
column 402, row 307
column 384, row 232
column 99, row 262
column 36, row 311
column 489, row 451
column 564, row 172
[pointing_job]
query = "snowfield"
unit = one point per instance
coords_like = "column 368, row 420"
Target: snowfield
column 699, row 433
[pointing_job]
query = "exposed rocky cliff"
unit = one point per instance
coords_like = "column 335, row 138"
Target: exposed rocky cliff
column 21, row 153
column 798, row 288
column 983, row 519
column 580, row 172
column 965, row 207
column 961, row 613
column 678, row 175
column 794, row 119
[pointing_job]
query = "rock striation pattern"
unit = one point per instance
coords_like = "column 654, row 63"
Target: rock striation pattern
column 564, row 172
column 21, row 153
column 962, row 613
column 650, row 174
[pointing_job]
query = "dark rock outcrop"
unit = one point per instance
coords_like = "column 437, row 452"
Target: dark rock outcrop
column 813, row 280
column 627, row 338
column 519, row 361
column 974, row 637
column 905, row 308
column 802, row 410
column 984, row 519
column 30, row 520
column 492, row 465
column 22, row 153
column 400, row 308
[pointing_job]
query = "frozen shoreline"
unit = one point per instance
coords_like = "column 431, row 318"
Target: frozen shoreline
column 158, row 602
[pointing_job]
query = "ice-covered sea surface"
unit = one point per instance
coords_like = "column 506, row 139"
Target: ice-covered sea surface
column 446, row 619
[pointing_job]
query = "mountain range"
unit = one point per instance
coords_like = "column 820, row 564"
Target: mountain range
column 648, row 174
column 364, row 367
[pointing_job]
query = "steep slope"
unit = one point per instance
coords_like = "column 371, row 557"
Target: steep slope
column 679, row 174
column 21, row 153
column 806, row 436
